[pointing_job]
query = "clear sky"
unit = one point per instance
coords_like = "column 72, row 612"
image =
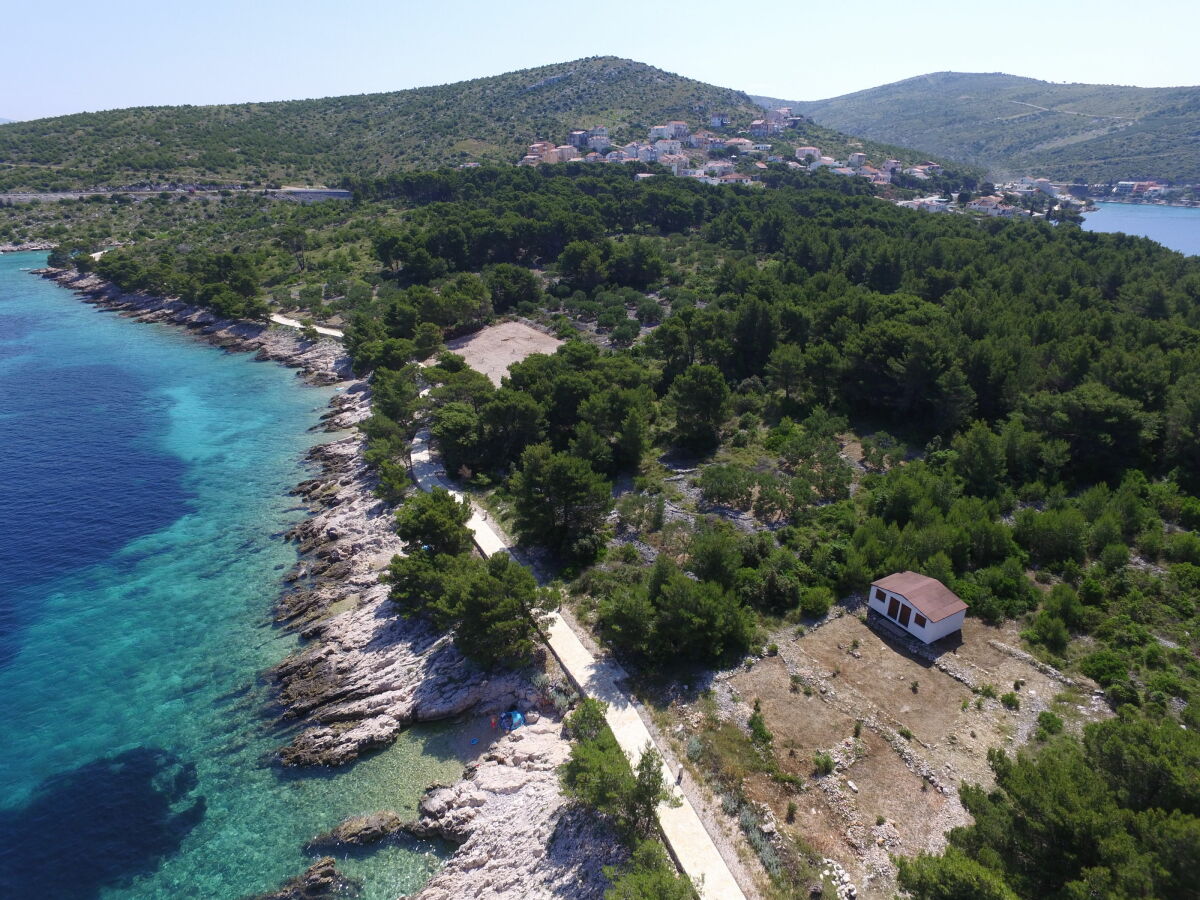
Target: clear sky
column 74, row 56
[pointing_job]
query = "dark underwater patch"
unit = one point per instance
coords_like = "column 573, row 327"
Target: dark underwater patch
column 98, row 826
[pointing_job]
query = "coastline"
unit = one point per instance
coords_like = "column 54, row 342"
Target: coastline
column 1186, row 204
column 27, row 247
column 363, row 674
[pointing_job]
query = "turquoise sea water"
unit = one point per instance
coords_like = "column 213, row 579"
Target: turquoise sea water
column 1176, row 227
column 143, row 487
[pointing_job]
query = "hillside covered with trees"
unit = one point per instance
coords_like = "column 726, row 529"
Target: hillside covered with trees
column 1016, row 126
column 324, row 140
column 1026, row 397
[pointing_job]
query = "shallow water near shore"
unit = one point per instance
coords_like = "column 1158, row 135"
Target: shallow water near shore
column 143, row 489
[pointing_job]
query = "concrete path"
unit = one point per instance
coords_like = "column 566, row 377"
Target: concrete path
column 687, row 840
column 296, row 323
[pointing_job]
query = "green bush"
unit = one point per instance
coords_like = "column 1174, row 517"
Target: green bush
column 1105, row 667
column 1048, row 724
column 816, row 601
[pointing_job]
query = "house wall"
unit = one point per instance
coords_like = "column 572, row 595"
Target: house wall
column 946, row 626
column 929, row 632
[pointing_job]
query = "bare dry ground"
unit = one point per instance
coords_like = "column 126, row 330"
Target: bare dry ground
column 891, row 793
column 493, row 349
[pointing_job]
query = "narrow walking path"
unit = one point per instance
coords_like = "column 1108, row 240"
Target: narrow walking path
column 686, row 837
column 296, row 323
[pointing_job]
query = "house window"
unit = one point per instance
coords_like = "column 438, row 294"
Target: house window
column 879, row 594
column 905, row 611
column 894, row 608
column 919, row 620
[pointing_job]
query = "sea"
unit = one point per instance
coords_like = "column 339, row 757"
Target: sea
column 1177, row 227
column 143, row 495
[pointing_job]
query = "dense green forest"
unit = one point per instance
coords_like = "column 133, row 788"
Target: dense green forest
column 1026, row 397
column 321, row 141
column 1022, row 126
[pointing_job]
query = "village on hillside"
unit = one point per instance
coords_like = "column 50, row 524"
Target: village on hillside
column 710, row 156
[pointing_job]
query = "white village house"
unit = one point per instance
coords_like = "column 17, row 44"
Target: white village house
column 922, row 606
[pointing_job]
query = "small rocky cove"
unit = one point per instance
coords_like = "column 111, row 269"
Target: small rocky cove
column 362, row 674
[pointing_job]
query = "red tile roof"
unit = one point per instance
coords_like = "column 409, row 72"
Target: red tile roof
column 931, row 598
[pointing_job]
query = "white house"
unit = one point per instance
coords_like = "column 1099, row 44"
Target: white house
column 679, row 129
column 922, row 606
column 598, row 139
column 676, row 162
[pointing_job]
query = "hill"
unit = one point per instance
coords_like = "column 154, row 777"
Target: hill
column 486, row 119
column 1014, row 126
column 323, row 140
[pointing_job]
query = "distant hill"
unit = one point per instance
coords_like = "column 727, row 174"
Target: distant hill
column 486, row 119
column 319, row 141
column 1012, row 125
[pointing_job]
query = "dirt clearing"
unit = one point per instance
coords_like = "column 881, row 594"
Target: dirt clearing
column 495, row 348
column 903, row 732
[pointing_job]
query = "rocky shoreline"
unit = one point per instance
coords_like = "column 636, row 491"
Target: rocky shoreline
column 555, row 851
column 319, row 362
column 27, row 246
column 363, row 673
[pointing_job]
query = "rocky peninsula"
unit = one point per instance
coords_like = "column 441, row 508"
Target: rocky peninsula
column 363, row 673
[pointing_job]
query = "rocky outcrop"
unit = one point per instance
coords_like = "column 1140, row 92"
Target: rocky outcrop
column 370, row 673
column 519, row 838
column 357, row 831
column 319, row 881
column 366, row 672
column 321, row 362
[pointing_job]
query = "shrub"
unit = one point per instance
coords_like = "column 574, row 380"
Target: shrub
column 1010, row 701
column 1047, row 724
column 822, row 763
column 759, row 733
column 1114, row 557
column 1105, row 667
column 816, row 601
